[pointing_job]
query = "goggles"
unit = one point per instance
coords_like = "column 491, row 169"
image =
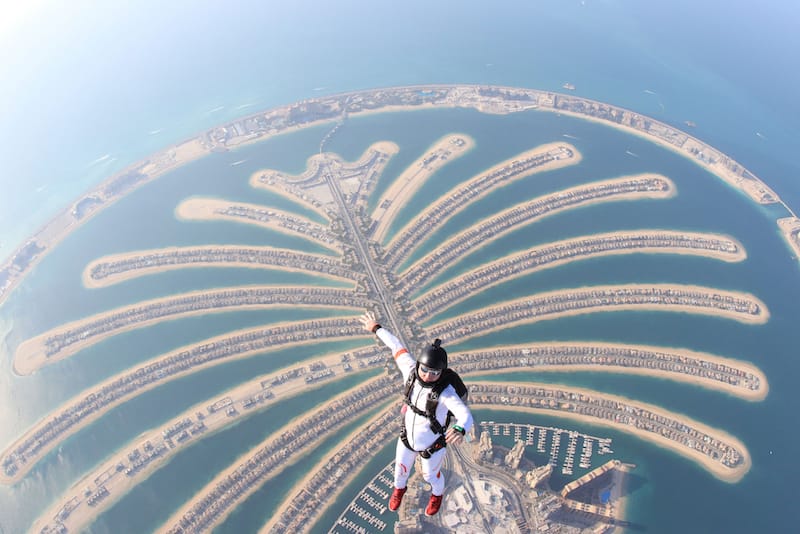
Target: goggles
column 428, row 370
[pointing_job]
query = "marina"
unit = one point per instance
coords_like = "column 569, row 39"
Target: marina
column 548, row 441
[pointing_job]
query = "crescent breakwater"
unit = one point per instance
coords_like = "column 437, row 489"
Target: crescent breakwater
column 268, row 123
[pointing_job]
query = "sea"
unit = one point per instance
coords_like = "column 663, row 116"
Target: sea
column 93, row 90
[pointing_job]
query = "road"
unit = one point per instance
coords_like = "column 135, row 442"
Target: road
column 362, row 249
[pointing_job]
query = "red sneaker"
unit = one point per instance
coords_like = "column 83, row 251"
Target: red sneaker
column 396, row 498
column 433, row 505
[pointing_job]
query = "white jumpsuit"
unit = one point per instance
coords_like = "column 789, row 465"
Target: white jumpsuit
column 418, row 429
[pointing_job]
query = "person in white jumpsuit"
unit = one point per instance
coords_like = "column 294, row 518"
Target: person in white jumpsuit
column 420, row 438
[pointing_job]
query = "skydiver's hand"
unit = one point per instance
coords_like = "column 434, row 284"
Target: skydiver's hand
column 368, row 320
column 453, row 436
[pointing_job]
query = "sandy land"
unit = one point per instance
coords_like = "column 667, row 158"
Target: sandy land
column 343, row 482
column 717, row 469
column 30, row 355
column 117, row 278
column 128, row 372
column 790, row 226
column 120, row 484
column 464, row 279
column 509, row 212
column 737, row 391
column 443, row 151
column 210, row 209
column 273, row 180
column 762, row 317
column 293, row 425
column 350, row 176
column 468, row 184
column 359, row 178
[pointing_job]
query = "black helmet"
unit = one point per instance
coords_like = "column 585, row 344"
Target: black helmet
column 434, row 356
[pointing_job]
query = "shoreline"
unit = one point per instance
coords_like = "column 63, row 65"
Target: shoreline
column 741, row 365
column 290, row 427
column 121, row 485
column 211, row 209
column 458, row 333
column 90, row 283
column 414, row 177
column 468, row 184
column 453, row 241
column 97, row 414
column 30, row 356
column 343, row 482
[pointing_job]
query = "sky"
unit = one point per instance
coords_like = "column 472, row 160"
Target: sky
column 68, row 68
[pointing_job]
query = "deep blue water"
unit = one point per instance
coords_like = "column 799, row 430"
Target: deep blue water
column 188, row 66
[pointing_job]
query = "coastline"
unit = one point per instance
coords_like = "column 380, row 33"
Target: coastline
column 292, row 427
column 30, row 355
column 91, row 283
column 119, row 486
column 438, row 207
column 97, row 388
column 448, row 148
column 3, row 294
column 213, row 209
column 747, row 394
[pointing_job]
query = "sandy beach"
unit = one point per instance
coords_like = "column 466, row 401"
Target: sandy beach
column 343, row 482
column 212, row 209
column 141, row 255
column 181, row 153
column 119, row 484
column 96, row 389
column 443, row 151
column 476, row 234
column 450, row 325
column 438, row 206
column 752, row 395
column 31, row 354
column 292, row 426
column 755, row 189
column 315, row 193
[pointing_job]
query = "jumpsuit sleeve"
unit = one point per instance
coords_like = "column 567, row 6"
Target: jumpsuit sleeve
column 405, row 362
column 461, row 411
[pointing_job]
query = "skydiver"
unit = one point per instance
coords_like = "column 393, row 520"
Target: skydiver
column 425, row 430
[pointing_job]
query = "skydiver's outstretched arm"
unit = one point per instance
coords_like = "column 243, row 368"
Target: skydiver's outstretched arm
column 402, row 358
column 369, row 321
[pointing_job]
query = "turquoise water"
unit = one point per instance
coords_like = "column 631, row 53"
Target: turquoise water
column 612, row 51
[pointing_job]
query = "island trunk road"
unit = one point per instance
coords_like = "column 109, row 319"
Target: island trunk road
column 362, row 250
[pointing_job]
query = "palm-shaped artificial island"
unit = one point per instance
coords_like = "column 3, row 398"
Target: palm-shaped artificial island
column 375, row 253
